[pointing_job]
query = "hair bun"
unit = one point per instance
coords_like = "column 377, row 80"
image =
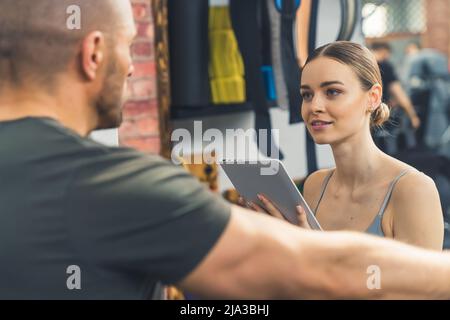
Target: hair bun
column 381, row 115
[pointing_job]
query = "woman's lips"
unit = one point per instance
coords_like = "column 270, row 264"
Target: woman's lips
column 320, row 125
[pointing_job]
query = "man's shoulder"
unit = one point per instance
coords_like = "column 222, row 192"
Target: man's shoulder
column 386, row 67
column 85, row 159
column 96, row 159
column 388, row 72
column 86, row 152
column 92, row 171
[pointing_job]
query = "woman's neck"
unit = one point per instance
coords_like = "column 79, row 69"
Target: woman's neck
column 357, row 160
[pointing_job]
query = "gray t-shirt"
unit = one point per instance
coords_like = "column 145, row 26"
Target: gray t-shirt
column 79, row 220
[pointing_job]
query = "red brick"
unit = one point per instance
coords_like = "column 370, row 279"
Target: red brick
column 144, row 30
column 438, row 25
column 141, row 127
column 141, row 11
column 142, row 88
column 148, row 126
column 145, row 68
column 146, row 144
column 127, row 129
column 143, row 50
column 135, row 109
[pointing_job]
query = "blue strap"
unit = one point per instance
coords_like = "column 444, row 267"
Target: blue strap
column 287, row 7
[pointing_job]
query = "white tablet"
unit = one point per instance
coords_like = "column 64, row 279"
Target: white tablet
column 268, row 177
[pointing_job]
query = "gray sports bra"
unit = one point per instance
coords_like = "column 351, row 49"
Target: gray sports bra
column 375, row 227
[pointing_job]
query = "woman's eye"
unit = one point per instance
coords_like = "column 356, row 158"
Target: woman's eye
column 306, row 95
column 333, row 92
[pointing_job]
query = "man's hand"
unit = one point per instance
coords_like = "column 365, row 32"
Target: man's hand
column 404, row 102
column 415, row 121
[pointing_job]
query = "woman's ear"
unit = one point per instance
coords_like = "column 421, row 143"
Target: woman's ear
column 375, row 96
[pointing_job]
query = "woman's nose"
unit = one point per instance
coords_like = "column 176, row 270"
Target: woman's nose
column 317, row 105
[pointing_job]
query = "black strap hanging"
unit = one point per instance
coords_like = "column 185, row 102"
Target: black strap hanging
column 245, row 17
column 311, row 155
column 291, row 69
column 189, row 52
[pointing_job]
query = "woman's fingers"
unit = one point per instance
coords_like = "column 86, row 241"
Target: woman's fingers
column 302, row 219
column 270, row 207
column 267, row 208
column 250, row 205
column 242, row 202
column 255, row 207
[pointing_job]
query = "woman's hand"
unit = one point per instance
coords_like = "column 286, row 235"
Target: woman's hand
column 271, row 209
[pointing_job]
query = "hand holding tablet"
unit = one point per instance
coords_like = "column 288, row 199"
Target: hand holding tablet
column 271, row 208
column 269, row 178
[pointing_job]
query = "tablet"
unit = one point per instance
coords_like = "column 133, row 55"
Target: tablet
column 268, row 177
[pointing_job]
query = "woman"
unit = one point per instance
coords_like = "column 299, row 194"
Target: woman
column 368, row 190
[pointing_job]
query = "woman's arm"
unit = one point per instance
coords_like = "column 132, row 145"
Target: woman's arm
column 418, row 218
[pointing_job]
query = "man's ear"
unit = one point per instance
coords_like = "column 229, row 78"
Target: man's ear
column 375, row 96
column 92, row 54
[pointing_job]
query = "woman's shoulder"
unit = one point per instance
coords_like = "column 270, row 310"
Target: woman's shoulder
column 314, row 182
column 413, row 186
column 318, row 175
column 409, row 179
column 417, row 212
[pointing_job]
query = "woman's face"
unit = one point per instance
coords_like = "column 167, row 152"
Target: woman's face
column 334, row 104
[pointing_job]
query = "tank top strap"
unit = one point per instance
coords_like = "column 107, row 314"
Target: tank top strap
column 324, row 187
column 389, row 192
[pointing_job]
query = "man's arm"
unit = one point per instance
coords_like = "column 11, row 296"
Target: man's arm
column 404, row 102
column 262, row 257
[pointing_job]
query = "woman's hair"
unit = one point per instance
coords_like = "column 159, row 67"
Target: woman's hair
column 363, row 63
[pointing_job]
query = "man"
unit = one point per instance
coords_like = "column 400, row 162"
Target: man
column 393, row 95
column 427, row 79
column 83, row 221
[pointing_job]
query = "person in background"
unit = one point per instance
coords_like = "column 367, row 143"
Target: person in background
column 426, row 77
column 395, row 97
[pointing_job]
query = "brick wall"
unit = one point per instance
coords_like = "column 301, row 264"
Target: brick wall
column 438, row 25
column 140, row 128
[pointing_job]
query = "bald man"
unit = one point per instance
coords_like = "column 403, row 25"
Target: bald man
column 79, row 220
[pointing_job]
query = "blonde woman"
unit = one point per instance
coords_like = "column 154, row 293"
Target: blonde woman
column 368, row 191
